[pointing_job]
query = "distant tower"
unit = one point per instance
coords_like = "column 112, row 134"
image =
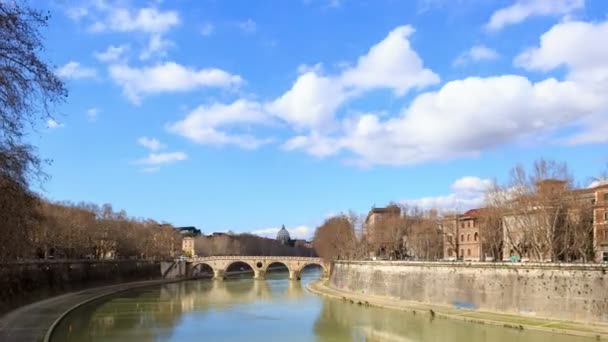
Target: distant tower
column 283, row 236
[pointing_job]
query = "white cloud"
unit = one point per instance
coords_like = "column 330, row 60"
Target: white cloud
column 112, row 53
column 299, row 232
column 247, row 26
column 152, row 144
column 597, row 182
column 391, row 63
column 148, row 20
column 314, row 98
column 207, row 29
column 467, row 193
column 168, row 77
column 93, row 113
column 52, row 124
column 162, row 158
column 475, row 54
column 581, row 48
column 202, row 125
column 157, row 47
column 74, row 71
column 523, row 9
column 311, row 102
column 118, row 17
column 466, row 117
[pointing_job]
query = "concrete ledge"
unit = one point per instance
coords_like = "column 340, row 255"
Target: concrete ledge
column 597, row 331
column 481, row 264
column 36, row 321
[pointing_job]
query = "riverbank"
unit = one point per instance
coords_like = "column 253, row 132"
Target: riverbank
column 35, row 321
column 597, row 331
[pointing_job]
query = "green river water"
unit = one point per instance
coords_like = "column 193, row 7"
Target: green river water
column 275, row 309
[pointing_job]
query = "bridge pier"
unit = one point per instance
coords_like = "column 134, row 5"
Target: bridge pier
column 259, row 274
column 294, row 275
column 218, row 274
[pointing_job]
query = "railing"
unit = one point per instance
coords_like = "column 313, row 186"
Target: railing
column 237, row 257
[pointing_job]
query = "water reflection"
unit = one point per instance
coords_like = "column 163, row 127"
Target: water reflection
column 275, row 309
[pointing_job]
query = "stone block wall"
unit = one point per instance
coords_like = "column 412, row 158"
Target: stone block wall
column 566, row 292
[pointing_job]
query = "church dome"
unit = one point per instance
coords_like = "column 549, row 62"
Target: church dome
column 283, row 235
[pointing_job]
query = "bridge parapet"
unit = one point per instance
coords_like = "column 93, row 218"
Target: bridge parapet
column 259, row 264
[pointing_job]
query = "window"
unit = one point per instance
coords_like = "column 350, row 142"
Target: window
column 605, row 258
column 462, row 225
column 605, row 215
column 605, row 196
column 476, row 236
column 461, row 237
column 450, row 239
column 462, row 252
column 468, row 224
column 468, row 252
column 468, row 237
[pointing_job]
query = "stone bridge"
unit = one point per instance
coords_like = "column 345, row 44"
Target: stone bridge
column 259, row 264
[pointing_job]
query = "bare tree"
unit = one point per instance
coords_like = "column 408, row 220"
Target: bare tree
column 335, row 239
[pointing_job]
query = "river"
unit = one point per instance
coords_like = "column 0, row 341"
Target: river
column 275, row 309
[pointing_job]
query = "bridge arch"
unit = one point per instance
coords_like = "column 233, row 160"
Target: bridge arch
column 276, row 262
column 232, row 263
column 315, row 263
column 199, row 268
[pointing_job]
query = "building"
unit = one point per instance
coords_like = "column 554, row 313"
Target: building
column 188, row 235
column 462, row 236
column 302, row 243
column 375, row 229
column 600, row 222
column 542, row 214
column 283, row 236
column 188, row 246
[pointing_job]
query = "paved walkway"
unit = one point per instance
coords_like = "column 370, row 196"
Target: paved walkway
column 598, row 331
column 31, row 322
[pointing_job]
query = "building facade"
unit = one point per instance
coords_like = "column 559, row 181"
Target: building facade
column 462, row 236
column 600, row 222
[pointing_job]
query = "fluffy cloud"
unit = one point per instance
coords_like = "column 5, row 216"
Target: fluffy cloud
column 466, row 117
column 392, row 64
column 314, row 98
column 467, row 193
column 202, row 125
column 112, row 53
column 475, row 54
column 108, row 16
column 162, row 158
column 299, row 232
column 148, row 20
column 152, row 144
column 168, row 77
column 310, row 103
column 581, row 48
column 522, row 9
column 74, row 71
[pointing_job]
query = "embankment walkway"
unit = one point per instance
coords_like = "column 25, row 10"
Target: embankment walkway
column 33, row 321
column 597, row 331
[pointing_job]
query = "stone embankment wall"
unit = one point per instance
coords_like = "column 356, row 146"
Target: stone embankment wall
column 25, row 282
column 566, row 292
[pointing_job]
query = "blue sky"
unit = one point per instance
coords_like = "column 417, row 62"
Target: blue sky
column 248, row 115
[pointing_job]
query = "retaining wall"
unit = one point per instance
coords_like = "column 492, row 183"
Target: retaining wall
column 25, row 282
column 567, row 292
